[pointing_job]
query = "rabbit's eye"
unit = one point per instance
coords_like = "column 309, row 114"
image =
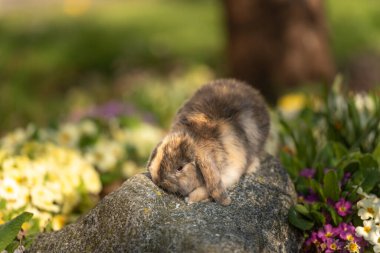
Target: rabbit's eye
column 180, row 168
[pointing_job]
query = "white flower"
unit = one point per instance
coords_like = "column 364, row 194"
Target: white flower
column 105, row 155
column 68, row 135
column 91, row 180
column 368, row 231
column 13, row 139
column 376, row 248
column 144, row 138
column 9, row 188
column 364, row 102
column 369, row 208
column 47, row 197
column 375, row 236
column 15, row 194
column 88, row 127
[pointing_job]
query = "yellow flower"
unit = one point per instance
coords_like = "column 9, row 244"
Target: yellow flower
column 291, row 104
column 26, row 226
column 353, row 247
column 58, row 222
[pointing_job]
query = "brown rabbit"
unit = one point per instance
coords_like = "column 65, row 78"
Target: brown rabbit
column 216, row 137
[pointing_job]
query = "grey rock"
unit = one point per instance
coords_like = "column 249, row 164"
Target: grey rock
column 140, row 217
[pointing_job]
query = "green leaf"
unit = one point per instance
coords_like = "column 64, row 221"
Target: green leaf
column 318, row 217
column 334, row 215
column 371, row 172
column 297, row 220
column 302, row 209
column 290, row 164
column 9, row 230
column 302, row 185
column 331, row 185
column 318, row 189
column 12, row 246
column 339, row 150
column 3, row 204
column 376, row 153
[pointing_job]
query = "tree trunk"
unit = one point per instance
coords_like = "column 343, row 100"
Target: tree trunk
column 275, row 44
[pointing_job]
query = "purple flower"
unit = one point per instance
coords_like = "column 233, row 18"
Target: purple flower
column 346, row 177
column 312, row 243
column 313, row 239
column 308, row 173
column 327, row 215
column 346, row 227
column 330, row 202
column 311, row 197
column 343, row 207
column 347, row 236
column 327, row 232
column 333, row 245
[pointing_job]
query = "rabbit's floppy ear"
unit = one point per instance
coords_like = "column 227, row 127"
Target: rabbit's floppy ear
column 212, row 178
column 154, row 162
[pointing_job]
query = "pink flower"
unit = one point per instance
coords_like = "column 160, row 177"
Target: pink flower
column 343, row 207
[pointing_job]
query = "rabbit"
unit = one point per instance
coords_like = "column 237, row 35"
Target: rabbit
column 216, row 137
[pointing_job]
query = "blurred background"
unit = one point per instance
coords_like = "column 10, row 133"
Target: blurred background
column 89, row 87
column 59, row 59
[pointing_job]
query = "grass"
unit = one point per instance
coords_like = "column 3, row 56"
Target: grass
column 44, row 54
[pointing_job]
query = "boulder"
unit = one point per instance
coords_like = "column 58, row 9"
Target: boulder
column 140, row 217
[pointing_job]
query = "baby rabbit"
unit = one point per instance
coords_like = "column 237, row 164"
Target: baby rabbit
column 215, row 138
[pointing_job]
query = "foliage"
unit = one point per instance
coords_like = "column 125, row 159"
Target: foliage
column 354, row 27
column 163, row 96
column 45, row 53
column 331, row 151
column 11, row 229
column 45, row 50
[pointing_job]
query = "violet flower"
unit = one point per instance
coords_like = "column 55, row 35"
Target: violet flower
column 333, row 245
column 313, row 239
column 343, row 207
column 346, row 177
column 328, row 231
column 346, row 227
column 307, row 173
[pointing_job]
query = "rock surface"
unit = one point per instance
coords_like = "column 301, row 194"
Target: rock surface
column 140, row 217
